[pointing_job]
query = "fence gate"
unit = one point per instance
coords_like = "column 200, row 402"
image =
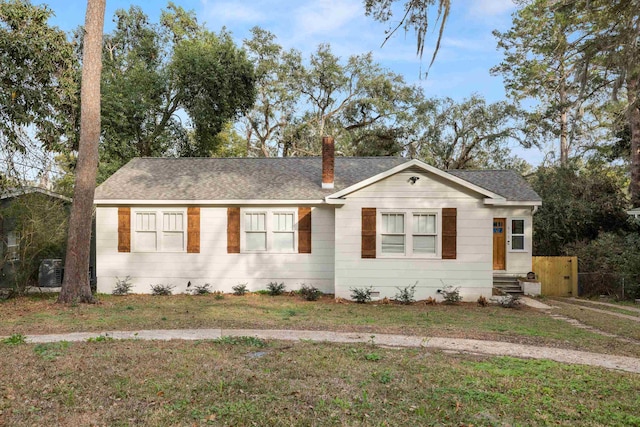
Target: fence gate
column 558, row 275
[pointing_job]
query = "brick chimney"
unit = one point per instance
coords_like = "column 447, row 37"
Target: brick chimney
column 328, row 160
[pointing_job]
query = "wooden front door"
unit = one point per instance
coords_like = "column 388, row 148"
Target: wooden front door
column 499, row 243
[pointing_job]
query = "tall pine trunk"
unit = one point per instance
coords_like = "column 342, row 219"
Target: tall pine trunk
column 633, row 114
column 76, row 287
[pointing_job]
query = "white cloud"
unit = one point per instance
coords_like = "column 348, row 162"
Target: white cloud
column 491, row 7
column 225, row 12
column 327, row 16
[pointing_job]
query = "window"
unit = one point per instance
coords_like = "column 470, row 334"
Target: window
column 424, row 233
column 421, row 239
column 256, row 231
column 269, row 231
column 159, row 230
column 13, row 246
column 517, row 235
column 392, row 233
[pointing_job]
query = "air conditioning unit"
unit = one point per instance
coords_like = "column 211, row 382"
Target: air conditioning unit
column 50, row 273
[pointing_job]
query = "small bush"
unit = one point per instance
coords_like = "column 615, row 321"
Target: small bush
column 310, row 292
column 275, row 288
column 161, row 289
column 406, row 295
column 218, row 295
column 361, row 295
column 15, row 339
column 451, row 295
column 262, row 292
column 240, row 289
column 200, row 289
column 482, row 301
column 510, row 301
column 431, row 301
column 123, row 286
column 372, row 357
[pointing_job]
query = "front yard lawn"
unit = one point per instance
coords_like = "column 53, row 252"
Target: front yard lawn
column 247, row 382
column 41, row 315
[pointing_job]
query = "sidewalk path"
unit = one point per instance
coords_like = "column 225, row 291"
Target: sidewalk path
column 493, row 348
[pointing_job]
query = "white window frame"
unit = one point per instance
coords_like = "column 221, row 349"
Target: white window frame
column 269, row 218
column 13, row 251
column 408, row 233
column 511, row 234
column 159, row 213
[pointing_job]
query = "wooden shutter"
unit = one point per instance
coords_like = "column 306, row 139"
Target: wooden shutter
column 193, row 230
column 233, row 230
column 368, row 232
column 124, row 229
column 449, row 233
column 304, row 230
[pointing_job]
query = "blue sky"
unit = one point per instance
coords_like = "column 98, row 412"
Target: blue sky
column 467, row 52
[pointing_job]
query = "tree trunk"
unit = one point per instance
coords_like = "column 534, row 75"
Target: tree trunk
column 76, row 287
column 633, row 114
column 564, row 146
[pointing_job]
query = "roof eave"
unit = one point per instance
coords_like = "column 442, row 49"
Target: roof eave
column 226, row 202
column 505, row 202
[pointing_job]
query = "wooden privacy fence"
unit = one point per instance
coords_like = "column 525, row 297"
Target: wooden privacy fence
column 558, row 275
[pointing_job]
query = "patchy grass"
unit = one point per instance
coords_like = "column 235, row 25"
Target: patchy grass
column 173, row 383
column 619, row 308
column 603, row 321
column 40, row 315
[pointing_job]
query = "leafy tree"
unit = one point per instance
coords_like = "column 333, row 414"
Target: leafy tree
column 155, row 72
column 41, row 224
column 468, row 135
column 540, row 64
column 415, row 16
column 362, row 105
column 577, row 204
column 609, row 41
column 75, row 285
column 37, row 86
column 275, row 106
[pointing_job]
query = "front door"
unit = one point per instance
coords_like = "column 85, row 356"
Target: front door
column 499, row 243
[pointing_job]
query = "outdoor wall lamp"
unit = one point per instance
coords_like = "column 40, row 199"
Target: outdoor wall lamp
column 413, row 179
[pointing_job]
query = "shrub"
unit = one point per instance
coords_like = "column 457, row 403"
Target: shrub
column 200, row 289
column 15, row 339
column 275, row 288
column 161, row 289
column 431, row 301
column 406, row 295
column 218, row 295
column 123, row 286
column 510, row 301
column 451, row 295
column 361, row 295
column 482, row 301
column 310, row 292
column 240, row 289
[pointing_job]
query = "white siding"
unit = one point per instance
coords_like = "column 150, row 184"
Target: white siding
column 471, row 271
column 518, row 262
column 213, row 265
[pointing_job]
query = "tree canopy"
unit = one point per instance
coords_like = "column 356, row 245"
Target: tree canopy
column 169, row 88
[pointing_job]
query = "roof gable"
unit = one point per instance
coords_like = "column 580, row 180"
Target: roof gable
column 423, row 166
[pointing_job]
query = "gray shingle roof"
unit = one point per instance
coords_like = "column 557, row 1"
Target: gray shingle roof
column 292, row 178
column 506, row 183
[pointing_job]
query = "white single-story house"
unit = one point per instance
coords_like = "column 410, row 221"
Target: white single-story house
column 334, row 223
column 634, row 213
